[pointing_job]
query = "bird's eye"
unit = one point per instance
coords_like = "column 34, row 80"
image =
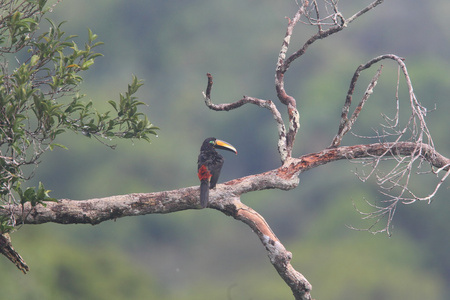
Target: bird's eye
column 212, row 142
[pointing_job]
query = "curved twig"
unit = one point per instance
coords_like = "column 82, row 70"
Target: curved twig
column 346, row 123
column 268, row 104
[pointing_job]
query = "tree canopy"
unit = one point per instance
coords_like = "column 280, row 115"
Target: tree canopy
column 34, row 109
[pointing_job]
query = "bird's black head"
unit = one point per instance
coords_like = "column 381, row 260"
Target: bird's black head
column 211, row 143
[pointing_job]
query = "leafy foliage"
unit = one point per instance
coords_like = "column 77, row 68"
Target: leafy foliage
column 33, row 112
column 34, row 196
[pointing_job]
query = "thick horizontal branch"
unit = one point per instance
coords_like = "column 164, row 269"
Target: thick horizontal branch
column 95, row 211
column 225, row 198
column 375, row 150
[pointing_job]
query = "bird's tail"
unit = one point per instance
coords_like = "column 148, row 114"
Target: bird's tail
column 204, row 193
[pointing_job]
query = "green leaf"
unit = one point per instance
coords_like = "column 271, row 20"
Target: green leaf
column 41, row 193
column 135, row 85
column 15, row 17
column 92, row 36
column 113, row 104
column 87, row 64
column 29, row 196
column 34, row 60
column 42, row 4
column 52, row 146
column 5, row 226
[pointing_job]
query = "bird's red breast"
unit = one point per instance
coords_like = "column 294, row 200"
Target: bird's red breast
column 203, row 173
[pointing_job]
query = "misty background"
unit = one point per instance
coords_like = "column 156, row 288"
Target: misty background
column 203, row 254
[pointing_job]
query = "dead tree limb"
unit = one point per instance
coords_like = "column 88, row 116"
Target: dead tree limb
column 286, row 177
column 225, row 198
column 7, row 250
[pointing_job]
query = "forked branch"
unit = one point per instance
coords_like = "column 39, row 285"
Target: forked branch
column 347, row 123
column 394, row 184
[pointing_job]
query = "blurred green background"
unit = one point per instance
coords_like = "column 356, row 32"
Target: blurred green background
column 204, row 254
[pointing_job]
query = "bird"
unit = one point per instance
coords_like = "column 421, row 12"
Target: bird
column 209, row 165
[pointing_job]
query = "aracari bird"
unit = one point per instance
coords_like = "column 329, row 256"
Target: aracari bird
column 209, row 165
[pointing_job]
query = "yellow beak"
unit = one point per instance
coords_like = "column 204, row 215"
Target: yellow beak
column 225, row 146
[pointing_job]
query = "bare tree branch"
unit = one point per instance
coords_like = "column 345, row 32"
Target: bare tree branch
column 284, row 63
column 97, row 210
column 277, row 253
column 225, row 198
column 418, row 148
column 338, row 24
column 346, row 123
column 7, row 250
column 289, row 101
column 394, row 184
column 251, row 100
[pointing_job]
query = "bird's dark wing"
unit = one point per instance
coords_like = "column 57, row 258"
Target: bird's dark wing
column 215, row 168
